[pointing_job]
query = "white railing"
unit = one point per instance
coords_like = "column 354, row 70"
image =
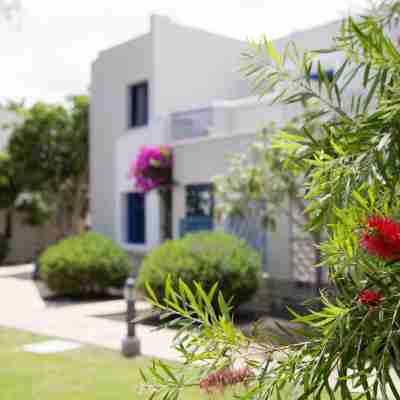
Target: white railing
column 191, row 124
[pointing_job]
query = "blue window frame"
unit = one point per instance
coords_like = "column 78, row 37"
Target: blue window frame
column 136, row 218
column 138, row 107
column 195, row 224
column 330, row 73
column 200, row 200
column 199, row 209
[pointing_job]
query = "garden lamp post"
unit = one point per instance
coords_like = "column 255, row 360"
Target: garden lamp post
column 130, row 344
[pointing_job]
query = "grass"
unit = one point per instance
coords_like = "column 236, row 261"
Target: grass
column 88, row 373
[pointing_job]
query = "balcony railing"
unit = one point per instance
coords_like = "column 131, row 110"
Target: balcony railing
column 191, row 124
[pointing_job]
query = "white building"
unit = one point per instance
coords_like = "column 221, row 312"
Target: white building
column 180, row 86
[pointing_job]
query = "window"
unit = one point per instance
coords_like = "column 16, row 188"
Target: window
column 136, row 218
column 138, row 109
column 329, row 73
column 199, row 200
column 199, row 209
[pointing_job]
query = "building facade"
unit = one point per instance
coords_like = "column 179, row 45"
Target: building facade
column 179, row 86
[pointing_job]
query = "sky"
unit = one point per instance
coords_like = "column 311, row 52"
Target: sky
column 46, row 54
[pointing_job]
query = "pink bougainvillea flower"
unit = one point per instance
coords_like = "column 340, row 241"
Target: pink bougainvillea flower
column 370, row 298
column 221, row 379
column 381, row 238
column 147, row 169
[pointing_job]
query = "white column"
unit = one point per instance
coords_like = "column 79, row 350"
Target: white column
column 153, row 219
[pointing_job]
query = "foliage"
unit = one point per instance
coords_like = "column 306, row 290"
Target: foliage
column 33, row 208
column 207, row 258
column 48, row 155
column 351, row 344
column 267, row 175
column 9, row 185
column 266, row 182
column 152, row 168
column 10, row 189
column 84, row 264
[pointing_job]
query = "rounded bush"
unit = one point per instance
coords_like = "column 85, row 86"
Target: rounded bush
column 84, row 264
column 205, row 257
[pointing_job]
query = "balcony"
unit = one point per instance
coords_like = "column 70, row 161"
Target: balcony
column 191, row 124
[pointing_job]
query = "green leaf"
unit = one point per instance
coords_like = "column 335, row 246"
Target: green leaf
column 151, row 293
column 273, row 53
column 371, row 91
column 167, row 370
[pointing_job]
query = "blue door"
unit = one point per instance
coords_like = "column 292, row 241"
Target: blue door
column 136, row 218
column 195, row 224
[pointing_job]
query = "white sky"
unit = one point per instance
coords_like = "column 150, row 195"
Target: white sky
column 48, row 55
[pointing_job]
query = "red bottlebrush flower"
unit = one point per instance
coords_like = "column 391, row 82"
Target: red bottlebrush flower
column 221, row 379
column 381, row 238
column 370, row 298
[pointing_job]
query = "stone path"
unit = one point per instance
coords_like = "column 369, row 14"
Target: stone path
column 21, row 307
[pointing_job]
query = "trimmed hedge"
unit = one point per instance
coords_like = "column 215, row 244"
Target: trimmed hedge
column 205, row 257
column 84, row 264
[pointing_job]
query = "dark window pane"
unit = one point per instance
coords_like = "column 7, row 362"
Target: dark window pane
column 330, row 73
column 199, row 200
column 138, row 105
column 136, row 222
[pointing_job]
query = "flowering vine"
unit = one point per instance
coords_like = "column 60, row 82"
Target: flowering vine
column 152, row 168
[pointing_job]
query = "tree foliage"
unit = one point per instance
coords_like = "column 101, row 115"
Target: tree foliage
column 47, row 171
column 267, row 181
column 350, row 348
column 9, row 185
column 268, row 175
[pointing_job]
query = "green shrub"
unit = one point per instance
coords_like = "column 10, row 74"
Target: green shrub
column 84, row 264
column 205, row 257
column 4, row 248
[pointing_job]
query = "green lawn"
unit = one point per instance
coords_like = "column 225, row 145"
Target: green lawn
column 89, row 373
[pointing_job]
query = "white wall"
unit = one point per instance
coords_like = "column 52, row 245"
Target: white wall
column 112, row 73
column 193, row 67
column 248, row 115
column 198, row 161
column 127, row 150
column 317, row 37
column 186, row 68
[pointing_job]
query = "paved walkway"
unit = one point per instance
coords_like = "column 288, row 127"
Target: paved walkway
column 21, row 307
